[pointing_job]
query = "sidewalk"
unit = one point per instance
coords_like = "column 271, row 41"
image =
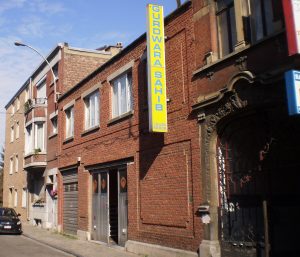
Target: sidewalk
column 72, row 246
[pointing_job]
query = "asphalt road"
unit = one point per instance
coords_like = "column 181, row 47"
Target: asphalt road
column 20, row 246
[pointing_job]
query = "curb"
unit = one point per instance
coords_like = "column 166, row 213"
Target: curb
column 53, row 246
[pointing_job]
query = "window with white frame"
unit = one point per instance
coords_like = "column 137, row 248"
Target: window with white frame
column 24, row 197
column 12, row 131
column 91, row 110
column 39, row 136
column 16, row 198
column 54, row 125
column 16, row 163
column 17, row 130
column 41, row 92
column 69, row 122
column 11, row 165
column 122, row 94
column 28, row 139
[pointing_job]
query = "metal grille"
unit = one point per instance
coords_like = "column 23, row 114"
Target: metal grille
column 241, row 214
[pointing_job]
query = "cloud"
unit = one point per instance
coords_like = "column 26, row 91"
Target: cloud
column 11, row 4
column 32, row 26
column 47, row 7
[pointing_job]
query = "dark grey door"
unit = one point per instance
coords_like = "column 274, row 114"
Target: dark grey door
column 70, row 202
column 122, row 206
column 109, row 222
column 103, row 207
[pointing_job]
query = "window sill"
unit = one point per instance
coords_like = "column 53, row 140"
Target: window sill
column 68, row 140
column 121, row 117
column 53, row 135
column 90, row 130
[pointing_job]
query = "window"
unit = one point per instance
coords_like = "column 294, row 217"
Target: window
column 11, row 165
column 10, row 196
column 91, row 110
column 39, row 136
column 69, row 122
column 258, row 19
column 16, row 163
column 265, row 18
column 122, row 94
column 226, row 25
column 17, row 130
column 16, row 198
column 41, row 92
column 28, row 139
column 54, row 125
column 12, row 109
column 24, row 197
column 27, row 96
column 12, row 133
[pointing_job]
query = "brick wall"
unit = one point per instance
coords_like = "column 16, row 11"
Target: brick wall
column 163, row 181
column 18, row 179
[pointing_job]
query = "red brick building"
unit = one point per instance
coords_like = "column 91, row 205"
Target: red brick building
column 215, row 183
column 133, row 187
column 31, row 132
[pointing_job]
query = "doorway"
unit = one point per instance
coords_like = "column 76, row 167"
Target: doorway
column 109, row 213
column 258, row 163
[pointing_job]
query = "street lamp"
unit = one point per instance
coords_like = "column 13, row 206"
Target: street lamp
column 17, row 43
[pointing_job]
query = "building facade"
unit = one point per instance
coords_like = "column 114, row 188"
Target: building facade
column 249, row 144
column 14, row 176
column 119, row 183
column 222, row 181
column 31, row 133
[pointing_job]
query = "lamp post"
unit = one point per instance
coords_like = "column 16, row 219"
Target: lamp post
column 17, row 43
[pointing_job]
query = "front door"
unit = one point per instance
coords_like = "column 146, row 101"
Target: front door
column 258, row 165
column 110, row 206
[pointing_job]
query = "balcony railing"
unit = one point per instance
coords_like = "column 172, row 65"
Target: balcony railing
column 30, row 103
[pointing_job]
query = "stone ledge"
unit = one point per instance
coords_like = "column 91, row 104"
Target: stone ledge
column 152, row 250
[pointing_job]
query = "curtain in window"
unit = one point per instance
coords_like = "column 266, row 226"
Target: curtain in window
column 115, row 105
column 129, row 92
column 92, row 110
column 28, row 139
column 40, row 136
column 70, row 122
column 122, row 94
column 41, row 90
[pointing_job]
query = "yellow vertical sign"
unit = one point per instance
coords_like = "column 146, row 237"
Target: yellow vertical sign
column 157, row 97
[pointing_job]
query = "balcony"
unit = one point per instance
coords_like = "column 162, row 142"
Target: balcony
column 34, row 103
column 35, row 160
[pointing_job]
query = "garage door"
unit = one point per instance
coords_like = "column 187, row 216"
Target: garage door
column 70, row 182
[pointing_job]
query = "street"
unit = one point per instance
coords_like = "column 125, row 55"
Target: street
column 16, row 246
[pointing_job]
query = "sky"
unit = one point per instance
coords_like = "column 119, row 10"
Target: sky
column 43, row 24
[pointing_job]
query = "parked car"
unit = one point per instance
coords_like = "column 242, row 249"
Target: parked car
column 10, row 222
